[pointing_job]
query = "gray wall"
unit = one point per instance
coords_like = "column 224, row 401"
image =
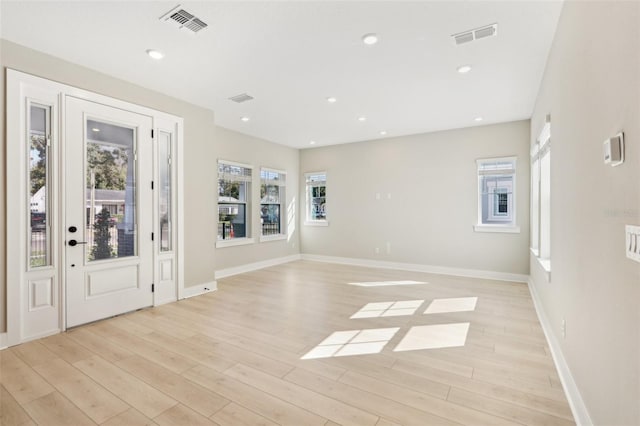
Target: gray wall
column 591, row 88
column 432, row 179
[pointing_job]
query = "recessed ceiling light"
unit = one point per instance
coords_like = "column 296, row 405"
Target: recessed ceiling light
column 464, row 69
column 362, row 118
column 331, row 100
column 370, row 38
column 95, row 129
column 478, row 119
column 312, row 142
column 245, row 119
column 155, row 54
column 383, row 132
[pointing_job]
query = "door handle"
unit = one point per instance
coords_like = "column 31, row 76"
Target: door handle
column 74, row 243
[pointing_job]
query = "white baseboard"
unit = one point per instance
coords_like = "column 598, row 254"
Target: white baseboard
column 444, row 270
column 3, row 341
column 578, row 408
column 249, row 267
column 199, row 289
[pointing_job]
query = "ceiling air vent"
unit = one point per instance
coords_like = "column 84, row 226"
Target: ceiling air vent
column 475, row 34
column 243, row 97
column 184, row 20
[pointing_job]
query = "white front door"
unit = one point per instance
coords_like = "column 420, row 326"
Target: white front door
column 108, row 211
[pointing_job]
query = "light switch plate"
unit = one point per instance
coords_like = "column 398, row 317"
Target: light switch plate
column 632, row 242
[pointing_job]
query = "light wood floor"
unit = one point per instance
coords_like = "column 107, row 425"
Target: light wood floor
column 233, row 357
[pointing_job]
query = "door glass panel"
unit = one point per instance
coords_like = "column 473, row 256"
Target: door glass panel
column 164, row 169
column 39, row 211
column 110, row 191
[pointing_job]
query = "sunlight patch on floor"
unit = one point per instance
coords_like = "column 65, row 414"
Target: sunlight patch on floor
column 434, row 337
column 388, row 309
column 353, row 342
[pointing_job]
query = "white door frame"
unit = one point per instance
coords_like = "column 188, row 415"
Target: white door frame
column 24, row 322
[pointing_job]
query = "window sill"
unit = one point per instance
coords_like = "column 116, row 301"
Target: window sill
column 278, row 237
column 234, row 242
column 316, row 223
column 546, row 265
column 509, row 229
column 534, row 252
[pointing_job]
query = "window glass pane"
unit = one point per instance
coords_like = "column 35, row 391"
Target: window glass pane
column 318, row 200
column 496, row 180
column 111, row 191
column 269, row 193
column 39, row 211
column 545, row 205
column 270, row 218
column 234, row 184
column 272, row 199
column 316, row 196
column 232, row 221
column 164, row 190
column 535, row 206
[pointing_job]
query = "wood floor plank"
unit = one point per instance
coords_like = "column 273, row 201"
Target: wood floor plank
column 190, row 351
column 174, row 385
column 496, row 391
column 34, row 353
column 240, row 355
column 271, row 407
column 506, row 410
column 131, row 417
column 65, row 348
column 22, row 382
column 148, row 400
column 12, row 413
column 237, row 415
column 179, row 415
column 329, row 408
column 380, row 406
column 56, row 410
column 138, row 345
column 421, row 401
column 86, row 337
column 94, row 400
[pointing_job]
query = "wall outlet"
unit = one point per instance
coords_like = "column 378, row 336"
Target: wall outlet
column 564, row 328
column 632, row 242
column 377, row 195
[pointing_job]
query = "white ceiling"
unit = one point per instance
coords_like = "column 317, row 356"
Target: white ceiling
column 292, row 55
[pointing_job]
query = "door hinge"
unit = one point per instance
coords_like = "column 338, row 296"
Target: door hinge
column 151, row 133
column 153, row 288
column 151, row 184
column 152, row 236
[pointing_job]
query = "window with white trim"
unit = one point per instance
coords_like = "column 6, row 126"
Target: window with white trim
column 272, row 202
column 496, row 194
column 234, row 196
column 316, row 205
column 541, row 197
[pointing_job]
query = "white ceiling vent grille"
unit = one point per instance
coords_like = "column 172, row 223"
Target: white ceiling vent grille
column 184, row 20
column 243, row 97
column 475, row 34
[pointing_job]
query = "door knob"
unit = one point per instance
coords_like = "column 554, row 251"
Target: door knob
column 72, row 229
column 74, row 243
